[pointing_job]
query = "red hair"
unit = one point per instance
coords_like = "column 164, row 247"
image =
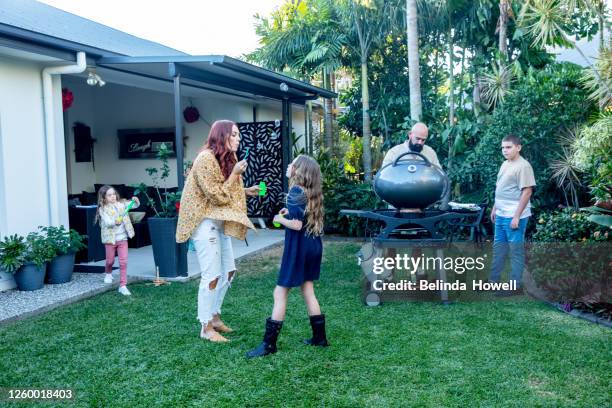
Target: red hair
column 217, row 141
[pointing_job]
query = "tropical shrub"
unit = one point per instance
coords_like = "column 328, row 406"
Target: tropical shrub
column 568, row 225
column 591, row 153
column 542, row 106
column 341, row 192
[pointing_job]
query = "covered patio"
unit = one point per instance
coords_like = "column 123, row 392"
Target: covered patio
column 143, row 94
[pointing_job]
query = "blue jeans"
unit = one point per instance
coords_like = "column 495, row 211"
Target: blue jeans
column 510, row 239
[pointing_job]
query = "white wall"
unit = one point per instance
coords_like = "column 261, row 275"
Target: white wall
column 24, row 201
column 3, row 225
column 24, row 176
column 114, row 107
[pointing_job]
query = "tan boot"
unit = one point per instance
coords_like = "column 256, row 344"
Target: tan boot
column 221, row 327
column 212, row 335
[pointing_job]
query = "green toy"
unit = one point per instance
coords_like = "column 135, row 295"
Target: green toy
column 276, row 224
column 129, row 207
column 262, row 188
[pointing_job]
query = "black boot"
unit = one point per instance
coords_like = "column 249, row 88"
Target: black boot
column 268, row 345
column 318, row 331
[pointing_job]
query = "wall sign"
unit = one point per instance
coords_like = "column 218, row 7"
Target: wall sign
column 145, row 143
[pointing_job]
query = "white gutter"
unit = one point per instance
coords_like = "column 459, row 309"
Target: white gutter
column 50, row 142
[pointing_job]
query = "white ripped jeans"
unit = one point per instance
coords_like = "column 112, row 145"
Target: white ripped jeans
column 216, row 259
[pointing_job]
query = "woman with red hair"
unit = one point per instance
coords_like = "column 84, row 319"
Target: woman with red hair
column 213, row 209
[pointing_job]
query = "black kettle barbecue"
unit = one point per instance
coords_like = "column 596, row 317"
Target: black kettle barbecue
column 411, row 182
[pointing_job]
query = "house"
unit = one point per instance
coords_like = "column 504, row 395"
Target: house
column 76, row 96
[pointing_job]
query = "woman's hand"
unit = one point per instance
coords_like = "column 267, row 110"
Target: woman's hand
column 135, row 199
column 252, row 191
column 240, row 167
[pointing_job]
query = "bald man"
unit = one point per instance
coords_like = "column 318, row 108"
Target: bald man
column 415, row 143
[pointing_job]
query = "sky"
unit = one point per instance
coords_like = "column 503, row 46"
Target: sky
column 197, row 27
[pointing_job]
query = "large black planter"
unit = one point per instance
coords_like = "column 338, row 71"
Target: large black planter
column 60, row 269
column 30, row 277
column 170, row 257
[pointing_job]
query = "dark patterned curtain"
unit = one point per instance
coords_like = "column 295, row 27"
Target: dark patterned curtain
column 265, row 164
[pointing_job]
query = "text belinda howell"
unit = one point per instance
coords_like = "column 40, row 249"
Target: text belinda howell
column 406, row 285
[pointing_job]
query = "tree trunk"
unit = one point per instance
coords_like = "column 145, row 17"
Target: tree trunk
column 412, row 34
column 451, row 75
column 451, row 95
column 329, row 134
column 461, row 79
column 602, row 28
column 503, row 28
column 476, row 97
column 334, row 118
column 367, row 136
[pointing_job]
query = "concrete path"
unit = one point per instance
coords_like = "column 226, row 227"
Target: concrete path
column 141, row 264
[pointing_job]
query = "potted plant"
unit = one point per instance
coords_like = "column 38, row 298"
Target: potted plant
column 65, row 245
column 26, row 259
column 170, row 257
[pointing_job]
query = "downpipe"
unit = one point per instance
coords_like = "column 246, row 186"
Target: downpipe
column 50, row 145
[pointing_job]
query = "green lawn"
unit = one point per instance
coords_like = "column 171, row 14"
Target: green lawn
column 145, row 351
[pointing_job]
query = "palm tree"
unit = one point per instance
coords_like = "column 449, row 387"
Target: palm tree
column 366, row 23
column 503, row 28
column 549, row 22
column 412, row 32
column 302, row 39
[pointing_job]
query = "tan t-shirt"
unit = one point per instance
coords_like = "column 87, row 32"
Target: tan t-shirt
column 512, row 178
column 400, row 149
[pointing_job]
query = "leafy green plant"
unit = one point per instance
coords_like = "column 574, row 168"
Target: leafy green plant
column 565, row 172
column 164, row 203
column 496, row 85
column 569, row 225
column 592, row 150
column 599, row 215
column 341, row 192
column 40, row 249
column 542, row 105
column 579, row 250
column 13, row 249
column 64, row 241
column 295, row 139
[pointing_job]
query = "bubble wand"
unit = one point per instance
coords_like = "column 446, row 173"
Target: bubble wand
column 129, row 207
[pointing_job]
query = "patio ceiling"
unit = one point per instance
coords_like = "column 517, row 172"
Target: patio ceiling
column 219, row 72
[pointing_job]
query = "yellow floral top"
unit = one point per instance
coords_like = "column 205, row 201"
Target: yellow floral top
column 109, row 214
column 206, row 196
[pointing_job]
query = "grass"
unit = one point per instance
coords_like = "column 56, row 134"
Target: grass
column 145, row 351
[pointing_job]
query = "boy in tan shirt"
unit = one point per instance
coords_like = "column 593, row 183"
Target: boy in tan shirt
column 511, row 211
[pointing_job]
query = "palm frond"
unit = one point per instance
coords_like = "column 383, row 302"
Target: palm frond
column 495, row 85
column 598, row 93
column 544, row 21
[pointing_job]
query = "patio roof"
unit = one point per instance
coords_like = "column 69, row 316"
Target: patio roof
column 220, row 72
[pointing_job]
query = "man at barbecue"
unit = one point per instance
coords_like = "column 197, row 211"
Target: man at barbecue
column 415, row 143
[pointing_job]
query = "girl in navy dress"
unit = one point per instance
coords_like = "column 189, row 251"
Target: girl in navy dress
column 301, row 264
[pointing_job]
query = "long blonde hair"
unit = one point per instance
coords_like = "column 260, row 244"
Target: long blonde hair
column 307, row 174
column 102, row 199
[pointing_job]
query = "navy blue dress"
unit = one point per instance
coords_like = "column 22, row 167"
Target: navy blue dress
column 302, row 254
